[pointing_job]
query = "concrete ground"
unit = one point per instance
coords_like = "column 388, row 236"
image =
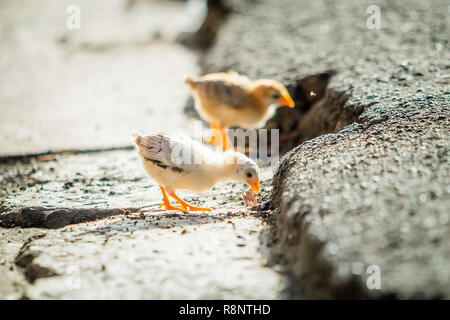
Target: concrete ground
column 85, row 90
column 134, row 251
column 137, row 253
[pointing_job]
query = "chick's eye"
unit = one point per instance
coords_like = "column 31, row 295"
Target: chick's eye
column 276, row 96
column 249, row 175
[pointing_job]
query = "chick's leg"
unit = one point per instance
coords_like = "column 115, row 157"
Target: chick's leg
column 216, row 133
column 167, row 203
column 187, row 206
column 219, row 137
column 214, row 127
column 226, row 143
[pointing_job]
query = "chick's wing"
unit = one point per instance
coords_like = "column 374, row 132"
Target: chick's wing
column 175, row 152
column 226, row 92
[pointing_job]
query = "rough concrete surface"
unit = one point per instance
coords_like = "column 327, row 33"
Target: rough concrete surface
column 376, row 192
column 356, row 199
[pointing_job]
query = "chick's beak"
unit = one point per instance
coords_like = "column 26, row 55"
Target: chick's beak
column 286, row 100
column 254, row 184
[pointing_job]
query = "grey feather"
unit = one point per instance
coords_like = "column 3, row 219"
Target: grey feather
column 230, row 94
column 167, row 152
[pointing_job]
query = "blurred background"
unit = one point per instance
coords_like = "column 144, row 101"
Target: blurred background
column 87, row 88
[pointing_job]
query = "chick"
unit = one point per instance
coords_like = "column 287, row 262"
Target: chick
column 177, row 162
column 230, row 99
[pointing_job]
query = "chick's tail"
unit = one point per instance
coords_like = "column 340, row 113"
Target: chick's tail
column 189, row 81
column 136, row 137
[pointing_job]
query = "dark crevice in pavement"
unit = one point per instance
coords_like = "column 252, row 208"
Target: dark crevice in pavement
column 25, row 260
column 51, row 218
column 318, row 110
column 50, row 155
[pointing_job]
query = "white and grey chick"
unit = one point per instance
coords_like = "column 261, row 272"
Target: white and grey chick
column 176, row 162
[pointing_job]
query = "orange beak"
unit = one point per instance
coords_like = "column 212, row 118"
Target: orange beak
column 286, row 100
column 254, row 185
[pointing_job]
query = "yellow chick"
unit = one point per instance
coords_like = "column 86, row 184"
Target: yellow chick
column 177, row 162
column 230, row 99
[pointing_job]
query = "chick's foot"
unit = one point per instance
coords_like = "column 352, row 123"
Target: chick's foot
column 186, row 205
column 167, row 203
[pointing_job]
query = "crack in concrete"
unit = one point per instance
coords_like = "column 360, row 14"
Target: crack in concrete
column 52, row 218
column 25, row 260
column 50, row 155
